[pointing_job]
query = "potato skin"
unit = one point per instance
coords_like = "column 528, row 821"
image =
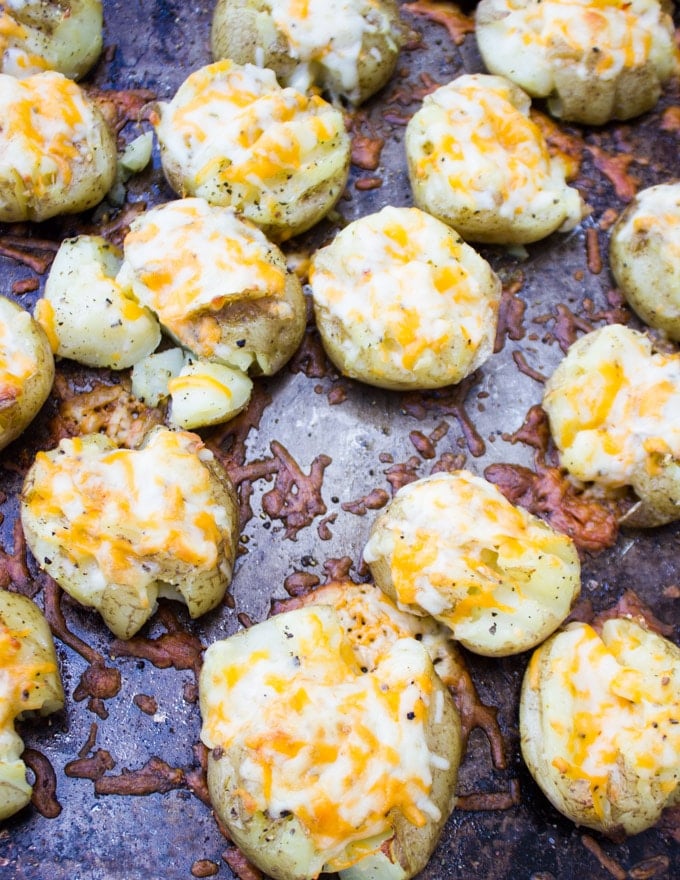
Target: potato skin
column 635, row 775
column 246, row 31
column 282, row 846
column 62, row 35
column 585, row 79
column 56, row 173
column 31, row 683
column 632, row 443
column 125, row 593
column 22, row 393
column 643, row 255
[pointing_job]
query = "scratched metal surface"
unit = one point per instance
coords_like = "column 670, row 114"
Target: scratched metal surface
column 155, row 45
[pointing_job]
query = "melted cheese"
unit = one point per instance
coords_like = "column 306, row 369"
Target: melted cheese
column 186, row 258
column 133, row 512
column 307, row 733
column 239, row 138
column 611, row 708
column 329, row 35
column 493, row 573
column 473, row 145
column 407, row 289
column 604, row 37
column 614, row 406
column 21, row 672
column 18, row 357
column 46, row 122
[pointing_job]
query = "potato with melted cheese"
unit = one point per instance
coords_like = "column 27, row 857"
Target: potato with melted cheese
column 477, row 161
column 614, row 409
column 38, row 35
column 593, row 61
column 87, row 314
column 347, row 48
column 599, row 727
column 402, row 302
column 319, row 765
column 26, row 370
column 216, row 283
column 29, row 682
column 233, row 136
column 452, row 546
column 117, row 528
column 644, row 255
column 57, row 154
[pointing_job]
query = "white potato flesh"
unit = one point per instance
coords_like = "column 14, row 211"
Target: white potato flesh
column 26, row 370
column 644, row 254
column 38, row 35
column 599, row 727
column 203, row 394
column 452, row 546
column 117, row 528
column 57, row 154
column 29, row 682
column 402, row 302
column 90, row 317
column 151, row 375
column 348, row 48
column 614, row 409
column 217, row 285
column 315, row 763
column 233, row 136
column 478, row 162
column 593, row 61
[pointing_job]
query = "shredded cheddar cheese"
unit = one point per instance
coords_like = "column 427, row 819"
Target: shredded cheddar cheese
column 408, row 293
column 614, row 406
column 186, row 260
column 18, row 358
column 306, row 732
column 612, row 35
column 130, row 510
column 241, row 139
column 330, row 36
column 610, row 715
column 473, row 148
column 458, row 550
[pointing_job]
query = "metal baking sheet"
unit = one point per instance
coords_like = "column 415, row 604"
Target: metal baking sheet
column 346, row 447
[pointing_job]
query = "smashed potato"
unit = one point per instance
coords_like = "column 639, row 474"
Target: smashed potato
column 614, row 409
column 452, row 546
column 89, row 316
column 593, row 61
column 319, row 765
column 348, row 48
column 38, row 35
column 479, row 163
column 217, row 285
column 599, row 725
column 233, row 136
column 402, row 302
column 29, row 682
column 117, row 528
column 57, row 154
column 26, row 370
column 644, row 254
